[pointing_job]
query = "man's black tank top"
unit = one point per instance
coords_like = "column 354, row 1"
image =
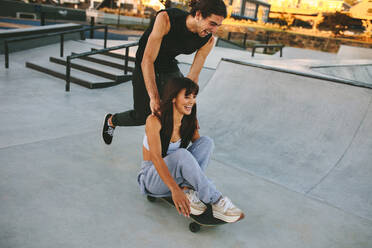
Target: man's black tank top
column 179, row 40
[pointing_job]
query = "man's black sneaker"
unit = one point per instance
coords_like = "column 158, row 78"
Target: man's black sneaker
column 108, row 131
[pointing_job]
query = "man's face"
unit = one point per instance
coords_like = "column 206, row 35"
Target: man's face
column 209, row 24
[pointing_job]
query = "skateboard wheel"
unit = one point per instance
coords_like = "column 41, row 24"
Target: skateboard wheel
column 194, row 227
column 151, row 198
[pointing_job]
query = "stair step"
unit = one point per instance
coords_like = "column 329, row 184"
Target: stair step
column 120, row 61
column 76, row 80
column 86, row 69
column 116, row 55
column 112, row 59
column 99, row 60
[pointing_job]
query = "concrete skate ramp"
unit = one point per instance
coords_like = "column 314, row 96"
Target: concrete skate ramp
column 350, row 52
column 309, row 135
column 360, row 73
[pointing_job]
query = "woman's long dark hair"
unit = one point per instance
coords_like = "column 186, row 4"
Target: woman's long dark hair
column 188, row 123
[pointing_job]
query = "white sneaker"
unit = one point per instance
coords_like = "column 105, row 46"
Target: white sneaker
column 197, row 207
column 225, row 210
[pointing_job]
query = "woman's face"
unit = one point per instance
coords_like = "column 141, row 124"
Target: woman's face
column 184, row 103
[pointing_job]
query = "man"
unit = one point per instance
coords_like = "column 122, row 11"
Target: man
column 174, row 32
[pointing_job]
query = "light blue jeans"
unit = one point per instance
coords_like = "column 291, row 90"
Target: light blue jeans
column 187, row 167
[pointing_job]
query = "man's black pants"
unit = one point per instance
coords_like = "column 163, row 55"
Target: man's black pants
column 141, row 107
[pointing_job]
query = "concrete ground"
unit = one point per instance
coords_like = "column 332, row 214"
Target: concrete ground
column 293, row 152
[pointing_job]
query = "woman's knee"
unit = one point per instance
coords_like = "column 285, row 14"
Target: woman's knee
column 182, row 153
column 207, row 141
column 185, row 157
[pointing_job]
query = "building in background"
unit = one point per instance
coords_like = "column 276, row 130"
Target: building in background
column 129, row 5
column 250, row 9
column 362, row 10
column 306, row 6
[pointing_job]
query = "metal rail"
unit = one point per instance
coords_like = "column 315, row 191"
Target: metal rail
column 259, row 45
column 104, row 50
column 265, row 46
column 61, row 34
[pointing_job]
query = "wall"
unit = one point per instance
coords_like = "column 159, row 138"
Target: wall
column 290, row 39
column 10, row 8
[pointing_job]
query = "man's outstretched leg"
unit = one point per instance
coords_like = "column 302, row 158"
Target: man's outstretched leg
column 135, row 117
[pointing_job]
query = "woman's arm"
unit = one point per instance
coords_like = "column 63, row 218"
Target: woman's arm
column 180, row 200
column 195, row 136
column 196, row 133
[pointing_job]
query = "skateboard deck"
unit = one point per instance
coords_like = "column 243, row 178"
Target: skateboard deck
column 205, row 219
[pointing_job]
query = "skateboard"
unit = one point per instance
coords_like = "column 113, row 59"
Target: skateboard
column 205, row 219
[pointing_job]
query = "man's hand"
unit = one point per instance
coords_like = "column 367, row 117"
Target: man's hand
column 181, row 202
column 155, row 106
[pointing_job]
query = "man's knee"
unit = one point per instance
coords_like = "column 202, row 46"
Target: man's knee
column 142, row 121
column 140, row 118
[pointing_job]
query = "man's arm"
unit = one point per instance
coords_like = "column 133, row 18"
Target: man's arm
column 161, row 28
column 199, row 59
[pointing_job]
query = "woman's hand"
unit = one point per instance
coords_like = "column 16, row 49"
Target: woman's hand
column 181, row 202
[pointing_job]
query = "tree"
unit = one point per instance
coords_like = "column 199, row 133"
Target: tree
column 368, row 28
column 288, row 18
column 319, row 19
column 166, row 3
column 336, row 22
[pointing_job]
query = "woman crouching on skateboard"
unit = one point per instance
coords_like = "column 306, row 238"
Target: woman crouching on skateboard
column 171, row 166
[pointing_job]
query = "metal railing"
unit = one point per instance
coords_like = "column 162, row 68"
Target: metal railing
column 61, row 34
column 104, row 50
column 256, row 45
column 265, row 46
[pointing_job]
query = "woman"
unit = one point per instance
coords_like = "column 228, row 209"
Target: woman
column 170, row 167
